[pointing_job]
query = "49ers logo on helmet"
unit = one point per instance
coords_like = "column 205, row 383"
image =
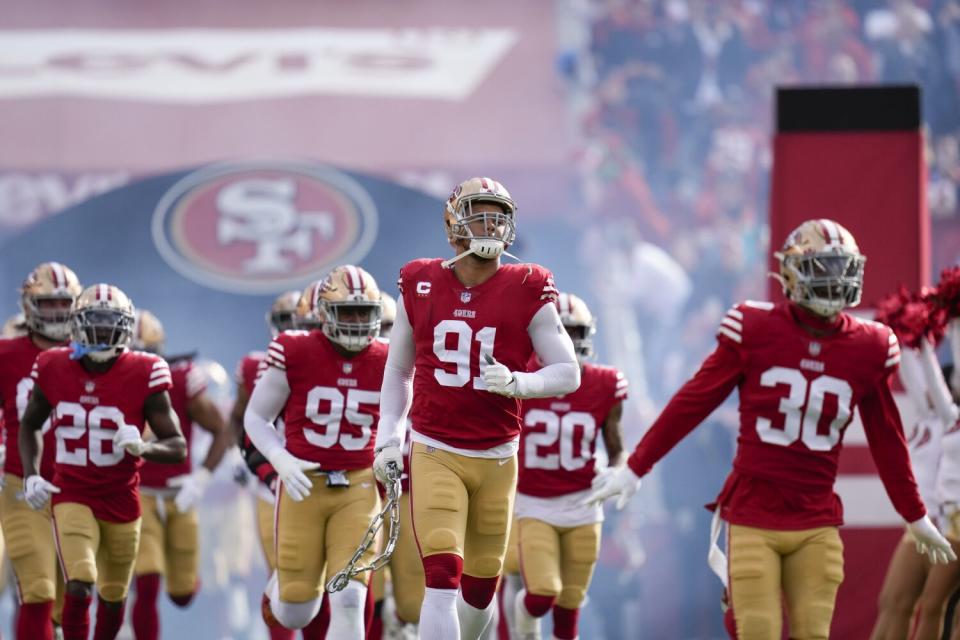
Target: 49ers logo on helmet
column 260, row 228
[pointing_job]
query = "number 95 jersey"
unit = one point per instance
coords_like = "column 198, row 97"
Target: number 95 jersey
column 87, row 410
column 454, row 329
column 334, row 404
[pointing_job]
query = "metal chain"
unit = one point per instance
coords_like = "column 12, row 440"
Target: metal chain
column 391, row 513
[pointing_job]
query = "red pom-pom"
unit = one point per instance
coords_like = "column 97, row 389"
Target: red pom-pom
column 948, row 292
column 913, row 316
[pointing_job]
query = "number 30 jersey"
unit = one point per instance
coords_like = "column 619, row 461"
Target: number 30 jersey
column 334, row 405
column 798, row 391
column 87, row 410
column 454, row 328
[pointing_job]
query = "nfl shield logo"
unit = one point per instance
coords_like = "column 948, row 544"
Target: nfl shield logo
column 814, row 349
column 465, row 297
column 347, row 367
column 88, row 387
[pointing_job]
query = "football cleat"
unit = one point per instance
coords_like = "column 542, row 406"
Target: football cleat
column 102, row 318
column 46, row 298
column 821, row 267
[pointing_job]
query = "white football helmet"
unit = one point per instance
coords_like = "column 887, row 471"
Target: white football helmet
column 458, row 215
column 148, row 333
column 46, row 298
column 579, row 323
column 281, row 318
column 347, row 303
column 388, row 315
column 102, row 318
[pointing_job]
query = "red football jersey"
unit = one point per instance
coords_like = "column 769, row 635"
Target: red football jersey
column 88, row 408
column 454, row 327
column 17, row 356
column 798, row 391
column 334, row 405
column 559, row 435
column 188, row 382
column 248, row 369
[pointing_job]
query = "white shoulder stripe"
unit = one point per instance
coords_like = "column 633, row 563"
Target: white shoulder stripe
column 730, row 334
column 756, row 304
column 160, row 364
column 891, row 361
column 734, row 313
column 159, row 382
column 276, row 345
column 733, row 324
column 892, row 339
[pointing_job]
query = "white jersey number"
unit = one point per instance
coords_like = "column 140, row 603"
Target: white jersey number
column 332, row 417
column 556, row 427
column 461, row 355
column 802, row 409
column 92, row 423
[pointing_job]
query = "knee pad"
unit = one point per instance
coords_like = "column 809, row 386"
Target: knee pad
column 298, row 592
column 82, row 571
column 113, row 592
column 478, row 592
column 37, row 590
column 443, row 571
column 295, row 615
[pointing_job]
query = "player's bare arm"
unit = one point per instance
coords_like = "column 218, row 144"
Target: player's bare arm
column 170, row 445
column 205, row 413
column 236, row 413
column 30, row 439
column 613, row 436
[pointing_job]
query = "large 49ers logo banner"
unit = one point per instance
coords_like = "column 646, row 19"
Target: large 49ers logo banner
column 251, row 228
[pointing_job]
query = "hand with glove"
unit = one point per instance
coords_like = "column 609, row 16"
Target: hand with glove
column 384, row 456
column 290, row 469
column 498, row 378
column 128, row 437
column 37, row 491
column 192, row 486
column 617, row 481
column 931, row 542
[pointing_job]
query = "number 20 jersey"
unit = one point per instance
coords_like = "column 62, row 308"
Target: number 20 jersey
column 334, row 405
column 87, row 409
column 797, row 396
column 454, row 327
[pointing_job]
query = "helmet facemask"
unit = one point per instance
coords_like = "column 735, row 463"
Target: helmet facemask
column 582, row 337
column 352, row 324
column 104, row 333
column 48, row 315
column 825, row 282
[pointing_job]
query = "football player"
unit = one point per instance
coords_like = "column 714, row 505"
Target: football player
column 801, row 368
column 559, row 537
column 15, row 326
column 389, row 314
column 464, row 332
column 327, row 383
column 98, row 396
column 45, row 297
column 169, row 493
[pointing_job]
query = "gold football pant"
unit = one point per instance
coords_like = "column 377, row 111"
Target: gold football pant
column 168, row 544
column 265, row 513
column 511, row 562
column 462, row 505
column 558, row 561
column 30, row 545
column 804, row 569
column 96, row 551
column 326, row 527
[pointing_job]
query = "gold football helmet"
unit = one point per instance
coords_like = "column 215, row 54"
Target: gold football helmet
column 14, row 327
column 103, row 318
column 388, row 314
column 46, row 297
column 579, row 323
column 499, row 227
column 821, row 267
column 148, row 333
column 281, row 318
column 347, row 304
column 307, row 315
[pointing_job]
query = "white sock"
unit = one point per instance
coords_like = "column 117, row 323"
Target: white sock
column 473, row 621
column 438, row 615
column 511, row 584
column 525, row 625
column 346, row 612
column 491, row 632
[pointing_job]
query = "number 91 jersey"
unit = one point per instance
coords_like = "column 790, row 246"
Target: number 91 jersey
column 334, row 405
column 454, row 329
column 87, row 410
column 797, row 396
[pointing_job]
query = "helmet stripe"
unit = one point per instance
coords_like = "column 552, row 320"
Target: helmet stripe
column 483, row 183
column 830, row 227
column 59, row 280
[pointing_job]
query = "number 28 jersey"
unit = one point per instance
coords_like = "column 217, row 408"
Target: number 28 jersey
column 454, row 328
column 334, row 404
column 798, row 392
column 87, row 410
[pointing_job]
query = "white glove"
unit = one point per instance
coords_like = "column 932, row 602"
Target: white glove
column 386, row 455
column 498, row 378
column 290, row 470
column 931, row 542
column 617, row 481
column 128, row 437
column 37, row 491
column 192, row 486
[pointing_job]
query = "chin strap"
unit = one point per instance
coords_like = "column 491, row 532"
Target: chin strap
column 79, row 350
column 446, row 264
